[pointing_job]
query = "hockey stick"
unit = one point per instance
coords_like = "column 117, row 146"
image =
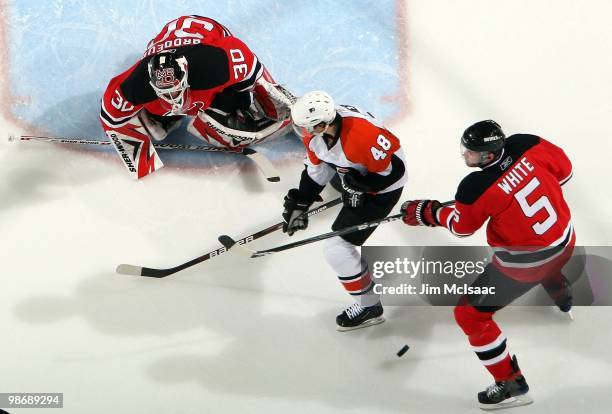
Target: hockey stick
column 263, row 163
column 127, row 269
column 235, row 246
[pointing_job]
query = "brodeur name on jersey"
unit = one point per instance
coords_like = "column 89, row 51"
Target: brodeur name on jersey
column 217, row 60
column 521, row 193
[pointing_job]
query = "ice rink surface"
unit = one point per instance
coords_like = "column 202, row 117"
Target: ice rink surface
column 236, row 335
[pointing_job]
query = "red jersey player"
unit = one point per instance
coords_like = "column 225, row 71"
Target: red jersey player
column 194, row 67
column 370, row 162
column 518, row 190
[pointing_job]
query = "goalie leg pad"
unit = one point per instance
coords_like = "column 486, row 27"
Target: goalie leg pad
column 135, row 149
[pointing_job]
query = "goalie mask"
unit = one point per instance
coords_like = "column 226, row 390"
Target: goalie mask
column 168, row 77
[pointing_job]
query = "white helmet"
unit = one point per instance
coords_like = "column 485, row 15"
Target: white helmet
column 312, row 109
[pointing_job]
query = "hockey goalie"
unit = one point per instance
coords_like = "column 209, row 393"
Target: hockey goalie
column 193, row 68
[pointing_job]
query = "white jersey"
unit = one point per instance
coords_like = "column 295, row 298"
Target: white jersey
column 363, row 145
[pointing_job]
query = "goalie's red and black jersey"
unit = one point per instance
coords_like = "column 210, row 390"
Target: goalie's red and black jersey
column 227, row 66
column 520, row 194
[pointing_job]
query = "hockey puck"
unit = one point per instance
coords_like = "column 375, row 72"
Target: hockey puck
column 402, row 351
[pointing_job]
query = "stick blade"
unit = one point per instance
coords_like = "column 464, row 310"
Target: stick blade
column 227, row 241
column 234, row 247
column 131, row 270
column 264, row 165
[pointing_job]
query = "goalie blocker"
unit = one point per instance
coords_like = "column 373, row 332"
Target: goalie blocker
column 267, row 117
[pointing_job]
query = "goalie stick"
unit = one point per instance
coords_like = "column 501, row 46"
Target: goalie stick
column 127, row 269
column 237, row 247
column 262, row 162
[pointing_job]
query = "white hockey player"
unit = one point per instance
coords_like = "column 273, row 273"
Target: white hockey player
column 369, row 159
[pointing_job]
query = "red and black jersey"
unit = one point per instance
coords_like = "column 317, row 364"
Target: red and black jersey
column 217, row 62
column 187, row 31
column 520, row 194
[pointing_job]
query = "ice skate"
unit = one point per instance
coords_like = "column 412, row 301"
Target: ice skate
column 506, row 394
column 356, row 316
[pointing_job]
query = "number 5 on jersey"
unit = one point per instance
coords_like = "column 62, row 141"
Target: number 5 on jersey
column 385, row 144
column 531, row 210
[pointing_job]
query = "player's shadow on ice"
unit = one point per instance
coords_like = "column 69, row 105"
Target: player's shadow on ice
column 38, row 173
column 263, row 352
column 26, row 186
column 304, row 359
column 300, row 359
column 130, row 306
column 254, row 347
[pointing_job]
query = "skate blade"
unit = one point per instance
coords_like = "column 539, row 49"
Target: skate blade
column 571, row 315
column 516, row 401
column 370, row 322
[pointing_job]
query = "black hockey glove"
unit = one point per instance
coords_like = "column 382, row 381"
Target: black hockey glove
column 354, row 192
column 293, row 213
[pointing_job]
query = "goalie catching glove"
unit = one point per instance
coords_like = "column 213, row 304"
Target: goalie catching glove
column 421, row 212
